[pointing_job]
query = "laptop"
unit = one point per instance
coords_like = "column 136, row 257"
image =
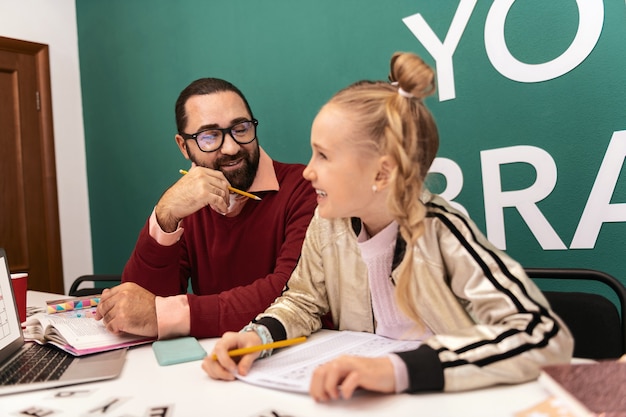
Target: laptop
column 27, row 361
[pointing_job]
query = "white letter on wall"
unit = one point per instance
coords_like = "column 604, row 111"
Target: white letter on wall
column 524, row 200
column 599, row 208
column 442, row 52
column 590, row 23
column 454, row 180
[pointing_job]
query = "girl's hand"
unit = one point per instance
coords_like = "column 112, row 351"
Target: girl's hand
column 340, row 377
column 225, row 367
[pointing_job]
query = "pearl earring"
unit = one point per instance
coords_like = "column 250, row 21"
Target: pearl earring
column 374, row 189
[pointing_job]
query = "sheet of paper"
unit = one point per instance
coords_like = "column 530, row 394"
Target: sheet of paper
column 291, row 368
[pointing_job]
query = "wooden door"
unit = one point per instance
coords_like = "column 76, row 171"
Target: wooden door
column 29, row 216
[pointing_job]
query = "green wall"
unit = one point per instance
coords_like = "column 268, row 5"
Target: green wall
column 289, row 57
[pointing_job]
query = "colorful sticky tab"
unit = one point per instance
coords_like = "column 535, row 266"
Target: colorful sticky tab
column 59, row 306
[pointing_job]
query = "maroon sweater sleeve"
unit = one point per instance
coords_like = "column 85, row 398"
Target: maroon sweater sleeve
column 155, row 267
column 237, row 266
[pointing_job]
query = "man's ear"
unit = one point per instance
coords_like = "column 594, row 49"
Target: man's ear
column 386, row 167
column 182, row 145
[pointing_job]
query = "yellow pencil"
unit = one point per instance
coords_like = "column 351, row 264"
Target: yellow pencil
column 233, row 189
column 274, row 345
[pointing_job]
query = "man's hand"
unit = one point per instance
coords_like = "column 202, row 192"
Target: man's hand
column 128, row 308
column 200, row 187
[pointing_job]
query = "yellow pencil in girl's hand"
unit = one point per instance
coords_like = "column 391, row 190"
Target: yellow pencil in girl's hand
column 233, row 189
column 257, row 348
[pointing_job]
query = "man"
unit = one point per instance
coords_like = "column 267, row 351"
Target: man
column 238, row 252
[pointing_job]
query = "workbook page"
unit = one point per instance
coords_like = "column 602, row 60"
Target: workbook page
column 291, row 368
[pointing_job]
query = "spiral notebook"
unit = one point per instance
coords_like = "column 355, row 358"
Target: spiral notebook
column 589, row 389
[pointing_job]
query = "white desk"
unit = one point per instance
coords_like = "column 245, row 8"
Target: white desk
column 144, row 387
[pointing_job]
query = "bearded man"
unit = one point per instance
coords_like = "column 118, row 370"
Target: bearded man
column 234, row 252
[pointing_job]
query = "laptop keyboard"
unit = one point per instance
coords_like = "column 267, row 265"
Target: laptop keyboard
column 35, row 363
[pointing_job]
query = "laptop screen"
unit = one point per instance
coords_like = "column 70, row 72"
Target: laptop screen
column 10, row 329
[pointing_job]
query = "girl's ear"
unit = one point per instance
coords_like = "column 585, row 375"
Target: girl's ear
column 386, row 167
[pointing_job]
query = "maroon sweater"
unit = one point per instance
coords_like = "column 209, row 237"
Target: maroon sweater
column 237, row 265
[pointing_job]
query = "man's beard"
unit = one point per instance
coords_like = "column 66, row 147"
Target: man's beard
column 243, row 177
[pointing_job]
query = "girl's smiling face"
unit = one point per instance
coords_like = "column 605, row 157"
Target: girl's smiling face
column 340, row 170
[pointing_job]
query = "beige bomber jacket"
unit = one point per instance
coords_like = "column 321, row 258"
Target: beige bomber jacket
column 490, row 323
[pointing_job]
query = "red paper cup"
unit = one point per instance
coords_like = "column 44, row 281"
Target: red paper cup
column 20, row 286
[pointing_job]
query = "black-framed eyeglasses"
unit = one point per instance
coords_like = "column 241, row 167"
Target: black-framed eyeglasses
column 210, row 140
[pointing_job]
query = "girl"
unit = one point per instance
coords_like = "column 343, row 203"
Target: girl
column 385, row 256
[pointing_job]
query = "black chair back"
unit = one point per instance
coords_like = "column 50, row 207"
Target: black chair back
column 597, row 325
column 100, row 281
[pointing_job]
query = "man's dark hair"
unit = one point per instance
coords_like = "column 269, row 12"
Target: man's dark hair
column 201, row 87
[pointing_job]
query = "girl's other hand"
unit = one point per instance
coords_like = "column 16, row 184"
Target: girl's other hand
column 340, row 377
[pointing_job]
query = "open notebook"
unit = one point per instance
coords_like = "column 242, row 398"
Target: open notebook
column 29, row 366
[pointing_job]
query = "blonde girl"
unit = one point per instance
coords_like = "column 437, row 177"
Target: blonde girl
column 384, row 255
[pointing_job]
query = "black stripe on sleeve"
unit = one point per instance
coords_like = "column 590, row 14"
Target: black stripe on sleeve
column 536, row 315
